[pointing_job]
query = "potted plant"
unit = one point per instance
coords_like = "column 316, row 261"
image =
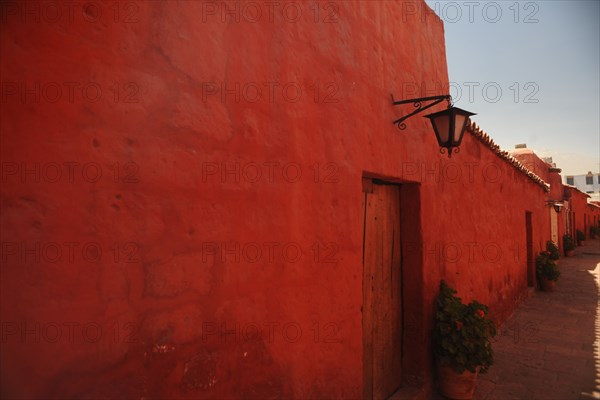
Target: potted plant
column 462, row 344
column 552, row 248
column 580, row 238
column 547, row 271
column 568, row 245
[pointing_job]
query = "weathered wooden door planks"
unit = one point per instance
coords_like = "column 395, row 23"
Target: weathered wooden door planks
column 382, row 291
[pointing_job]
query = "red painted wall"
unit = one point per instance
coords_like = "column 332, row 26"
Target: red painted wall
column 551, row 176
column 594, row 212
column 579, row 206
column 485, row 212
column 181, row 198
column 542, row 169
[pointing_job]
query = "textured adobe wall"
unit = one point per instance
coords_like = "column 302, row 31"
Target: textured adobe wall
column 542, row 169
column 165, row 105
column 181, row 197
column 483, row 229
column 594, row 215
column 580, row 207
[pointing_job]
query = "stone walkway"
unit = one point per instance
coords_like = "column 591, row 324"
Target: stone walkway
column 548, row 349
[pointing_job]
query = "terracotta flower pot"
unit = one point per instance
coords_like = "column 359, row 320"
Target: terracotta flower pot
column 454, row 385
column 569, row 253
column 547, row 284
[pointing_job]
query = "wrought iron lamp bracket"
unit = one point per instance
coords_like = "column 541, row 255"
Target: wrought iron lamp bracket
column 557, row 204
column 418, row 104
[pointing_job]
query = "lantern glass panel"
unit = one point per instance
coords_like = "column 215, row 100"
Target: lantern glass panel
column 459, row 124
column 442, row 127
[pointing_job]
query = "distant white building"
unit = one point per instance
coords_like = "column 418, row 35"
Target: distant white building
column 588, row 183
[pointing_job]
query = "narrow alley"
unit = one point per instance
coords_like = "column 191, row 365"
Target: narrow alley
column 548, row 349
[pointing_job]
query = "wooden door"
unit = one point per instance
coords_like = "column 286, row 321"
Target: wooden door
column 553, row 226
column 529, row 247
column 382, row 292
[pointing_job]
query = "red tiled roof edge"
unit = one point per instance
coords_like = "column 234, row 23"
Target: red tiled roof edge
column 484, row 138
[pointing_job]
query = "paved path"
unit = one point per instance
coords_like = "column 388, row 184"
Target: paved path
column 549, row 348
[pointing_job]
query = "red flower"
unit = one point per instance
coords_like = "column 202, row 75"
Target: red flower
column 480, row 313
column 458, row 325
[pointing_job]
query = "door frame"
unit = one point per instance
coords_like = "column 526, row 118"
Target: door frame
column 416, row 351
column 529, row 248
column 382, row 317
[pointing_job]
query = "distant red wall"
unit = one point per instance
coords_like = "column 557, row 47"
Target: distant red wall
column 581, row 209
column 181, row 197
column 486, row 216
column 578, row 207
column 542, row 169
column 594, row 212
column 552, row 177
